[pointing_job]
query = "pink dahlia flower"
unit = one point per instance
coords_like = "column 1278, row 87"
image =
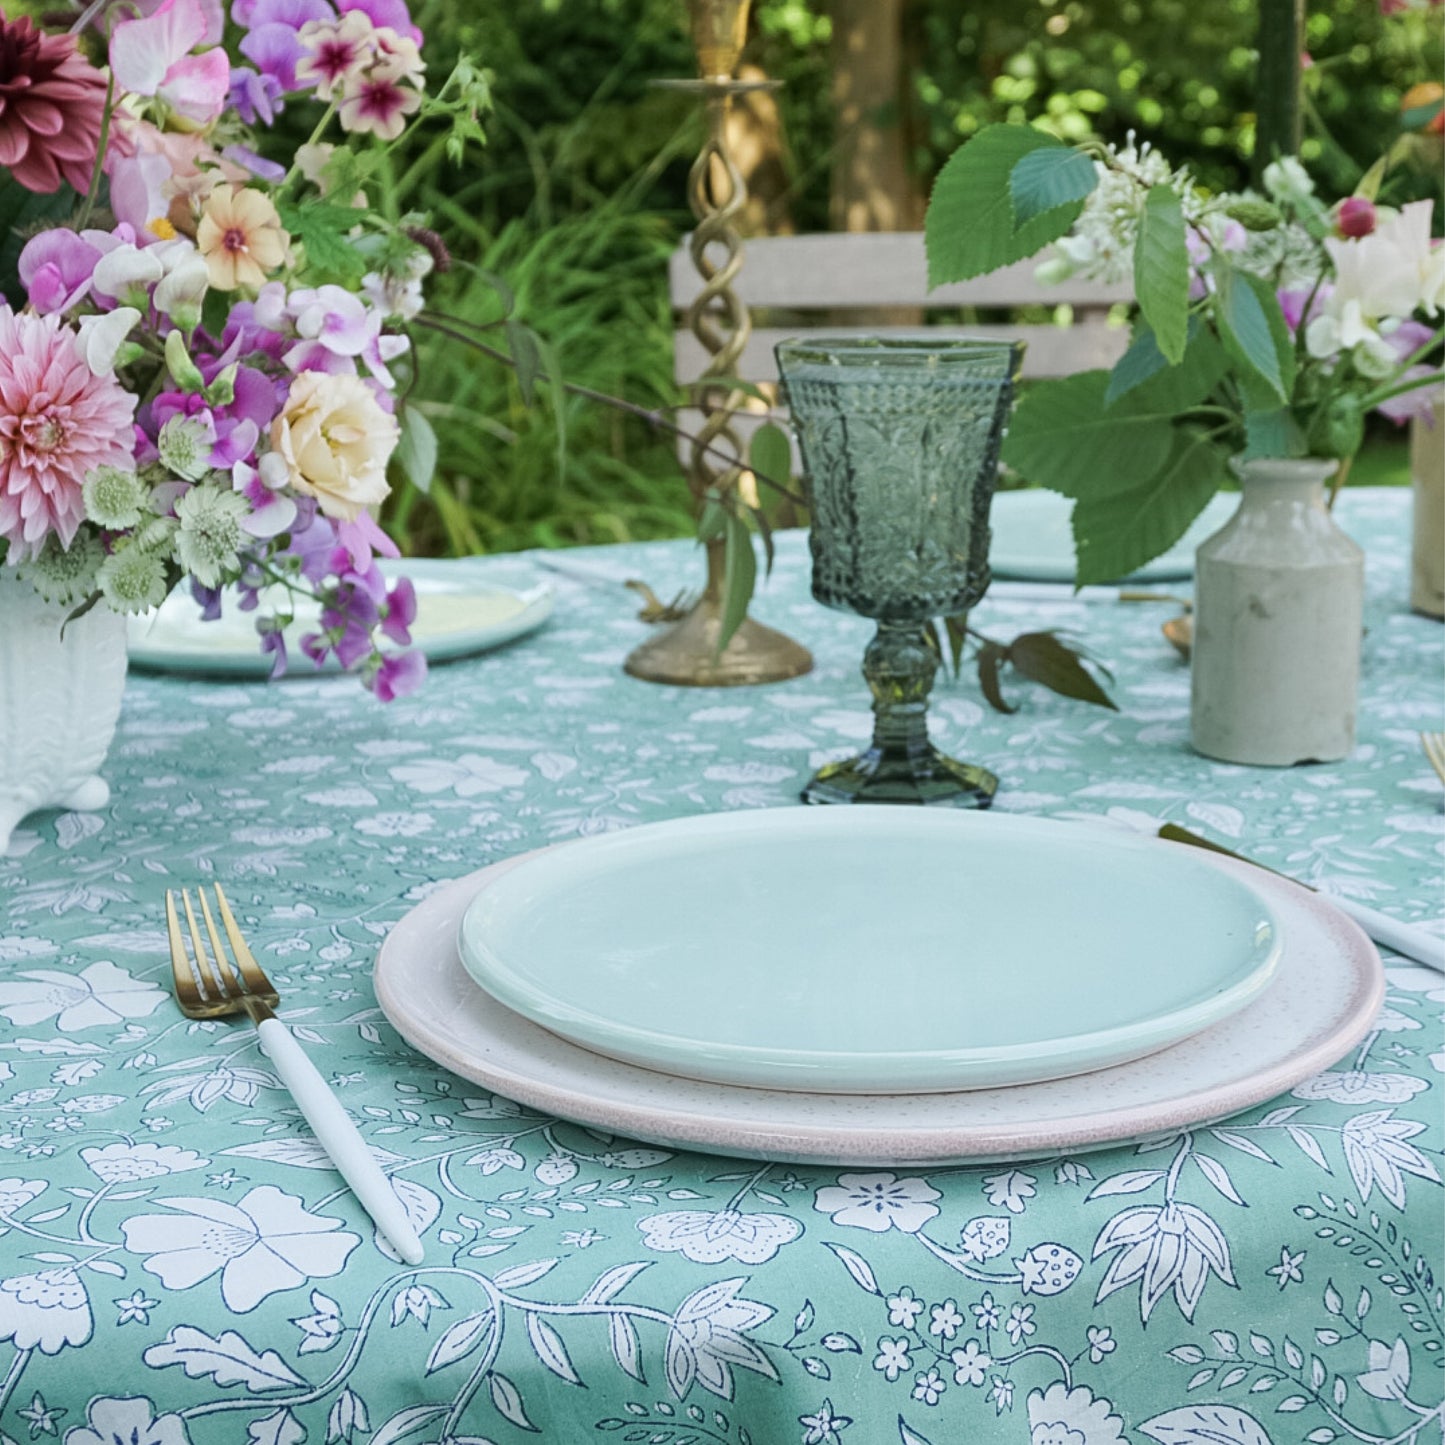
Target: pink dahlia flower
column 58, row 422
column 51, row 99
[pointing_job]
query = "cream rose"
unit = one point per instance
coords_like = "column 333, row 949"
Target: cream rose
column 335, row 440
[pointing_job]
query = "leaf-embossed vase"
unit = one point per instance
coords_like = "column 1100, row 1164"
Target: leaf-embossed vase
column 900, row 443
column 59, row 701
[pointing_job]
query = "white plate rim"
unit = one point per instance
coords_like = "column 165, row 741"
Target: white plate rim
column 538, row 600
column 759, row 1066
column 1174, row 565
column 487, row 1044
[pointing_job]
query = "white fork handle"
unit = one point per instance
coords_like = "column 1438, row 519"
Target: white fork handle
column 1407, row 938
column 340, row 1138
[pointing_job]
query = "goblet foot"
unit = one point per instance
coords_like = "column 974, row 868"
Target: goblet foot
column 923, row 776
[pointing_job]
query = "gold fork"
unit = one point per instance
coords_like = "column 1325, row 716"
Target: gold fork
column 1434, row 745
column 209, row 985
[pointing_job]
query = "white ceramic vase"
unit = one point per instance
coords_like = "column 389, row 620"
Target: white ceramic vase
column 1278, row 601
column 59, row 701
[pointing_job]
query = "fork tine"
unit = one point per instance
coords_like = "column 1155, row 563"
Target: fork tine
column 256, row 980
column 211, row 986
column 181, row 966
column 231, row 986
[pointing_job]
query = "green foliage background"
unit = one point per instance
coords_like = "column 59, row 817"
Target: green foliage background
column 580, row 194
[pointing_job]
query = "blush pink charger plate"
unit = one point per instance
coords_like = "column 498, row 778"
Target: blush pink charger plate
column 1321, row 1002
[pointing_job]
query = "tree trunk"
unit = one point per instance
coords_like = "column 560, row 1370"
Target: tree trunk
column 872, row 189
column 873, row 186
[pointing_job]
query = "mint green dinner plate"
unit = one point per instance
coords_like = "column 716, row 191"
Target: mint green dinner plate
column 458, row 613
column 1033, row 539
column 871, row 949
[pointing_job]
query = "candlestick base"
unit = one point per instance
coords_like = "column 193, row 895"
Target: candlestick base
column 686, row 654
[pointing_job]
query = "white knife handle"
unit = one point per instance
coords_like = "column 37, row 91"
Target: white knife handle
column 1407, row 938
column 340, row 1138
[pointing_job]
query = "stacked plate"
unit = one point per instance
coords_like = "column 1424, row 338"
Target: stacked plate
column 460, row 611
column 879, row 984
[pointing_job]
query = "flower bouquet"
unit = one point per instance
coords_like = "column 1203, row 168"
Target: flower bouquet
column 1268, row 324
column 201, row 345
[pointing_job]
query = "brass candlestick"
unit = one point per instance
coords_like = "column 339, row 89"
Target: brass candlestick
column 687, row 652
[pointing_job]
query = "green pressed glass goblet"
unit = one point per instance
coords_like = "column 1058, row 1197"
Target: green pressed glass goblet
column 900, row 443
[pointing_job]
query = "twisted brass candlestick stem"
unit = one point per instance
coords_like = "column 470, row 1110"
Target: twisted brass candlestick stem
column 687, row 653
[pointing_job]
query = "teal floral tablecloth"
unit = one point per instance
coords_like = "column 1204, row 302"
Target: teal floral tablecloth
column 177, row 1264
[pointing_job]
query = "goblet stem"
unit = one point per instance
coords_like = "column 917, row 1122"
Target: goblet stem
column 899, row 668
column 902, row 766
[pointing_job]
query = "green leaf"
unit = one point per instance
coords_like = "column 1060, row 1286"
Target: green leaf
column 324, row 232
column 416, row 451
column 740, row 572
column 770, row 454
column 969, row 228
column 1117, row 533
column 1042, row 657
column 712, row 520
column 1048, row 178
column 1062, row 437
column 990, row 656
column 1142, row 360
column 1161, row 271
column 1176, row 389
column 1272, row 433
column 957, row 629
column 1248, row 332
column 526, row 352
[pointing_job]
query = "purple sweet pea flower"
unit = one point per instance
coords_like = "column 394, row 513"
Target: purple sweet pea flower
column 390, row 13
column 151, row 55
column 253, row 96
column 55, row 269
column 363, row 539
column 1406, row 339
column 258, row 165
column 209, row 599
column 137, row 196
column 400, row 611
column 272, row 512
column 1293, row 302
column 399, row 674
column 273, row 44
column 274, row 642
column 336, row 318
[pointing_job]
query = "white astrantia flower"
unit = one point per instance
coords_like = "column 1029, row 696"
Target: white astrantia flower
column 210, row 535
column 114, row 497
column 132, row 579
column 261, row 1245
column 66, row 575
column 184, row 444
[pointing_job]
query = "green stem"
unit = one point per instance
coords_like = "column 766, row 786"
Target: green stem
column 83, row 219
column 446, row 326
column 289, row 179
column 1401, row 387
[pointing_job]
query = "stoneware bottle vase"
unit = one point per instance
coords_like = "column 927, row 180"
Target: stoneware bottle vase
column 1278, row 597
column 59, row 701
